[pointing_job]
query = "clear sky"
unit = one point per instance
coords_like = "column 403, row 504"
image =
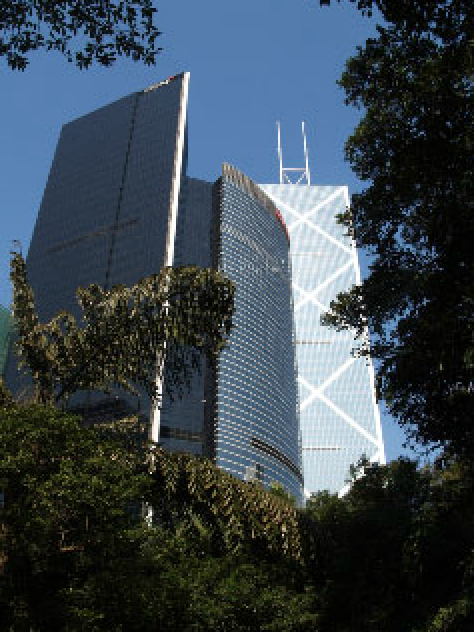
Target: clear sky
column 252, row 63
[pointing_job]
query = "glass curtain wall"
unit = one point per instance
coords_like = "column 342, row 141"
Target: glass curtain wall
column 340, row 419
column 257, row 427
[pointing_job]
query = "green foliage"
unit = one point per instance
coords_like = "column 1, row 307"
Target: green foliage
column 456, row 617
column 148, row 587
column 414, row 146
column 400, row 545
column 278, row 490
column 109, row 28
column 166, row 585
column 398, row 555
column 246, row 594
column 6, row 398
column 75, row 555
column 124, row 332
column 242, row 517
column 68, row 499
column 221, row 554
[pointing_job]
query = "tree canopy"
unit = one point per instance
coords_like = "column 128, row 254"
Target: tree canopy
column 414, row 146
column 396, row 553
column 66, row 499
column 81, row 31
column 75, row 554
column 125, row 334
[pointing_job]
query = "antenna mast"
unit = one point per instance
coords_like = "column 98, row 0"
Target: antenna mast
column 303, row 171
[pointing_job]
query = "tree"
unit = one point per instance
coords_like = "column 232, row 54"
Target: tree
column 415, row 147
column 74, row 554
column 6, row 398
column 398, row 551
column 183, row 312
column 394, row 554
column 442, row 550
column 68, row 510
column 278, row 490
column 172, row 584
column 108, row 28
column 240, row 517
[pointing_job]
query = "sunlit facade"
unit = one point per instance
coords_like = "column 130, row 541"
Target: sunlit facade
column 256, row 407
column 339, row 415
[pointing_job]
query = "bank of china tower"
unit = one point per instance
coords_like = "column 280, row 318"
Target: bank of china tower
column 339, row 415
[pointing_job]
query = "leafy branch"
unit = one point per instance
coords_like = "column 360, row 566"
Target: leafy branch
column 183, row 312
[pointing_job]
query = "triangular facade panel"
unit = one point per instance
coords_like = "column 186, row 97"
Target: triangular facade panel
column 339, row 416
column 348, row 394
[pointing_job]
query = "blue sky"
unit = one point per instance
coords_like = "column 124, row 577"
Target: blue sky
column 252, row 63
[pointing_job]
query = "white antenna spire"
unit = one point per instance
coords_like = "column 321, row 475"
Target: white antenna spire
column 303, row 171
column 305, row 154
column 279, row 153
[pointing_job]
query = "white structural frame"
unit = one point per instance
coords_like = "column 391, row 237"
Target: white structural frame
column 303, row 171
column 155, row 413
column 171, row 237
column 307, row 217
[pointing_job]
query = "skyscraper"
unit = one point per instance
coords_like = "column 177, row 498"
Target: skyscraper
column 110, row 206
column 256, row 408
column 339, row 415
column 118, row 206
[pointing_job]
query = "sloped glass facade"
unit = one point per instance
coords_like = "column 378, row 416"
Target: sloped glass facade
column 339, row 416
column 106, row 211
column 257, row 429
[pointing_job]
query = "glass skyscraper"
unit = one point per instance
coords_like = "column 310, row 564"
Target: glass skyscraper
column 110, row 207
column 339, row 415
column 255, row 406
column 117, row 207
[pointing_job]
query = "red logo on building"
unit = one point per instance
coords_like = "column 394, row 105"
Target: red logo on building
column 282, row 222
